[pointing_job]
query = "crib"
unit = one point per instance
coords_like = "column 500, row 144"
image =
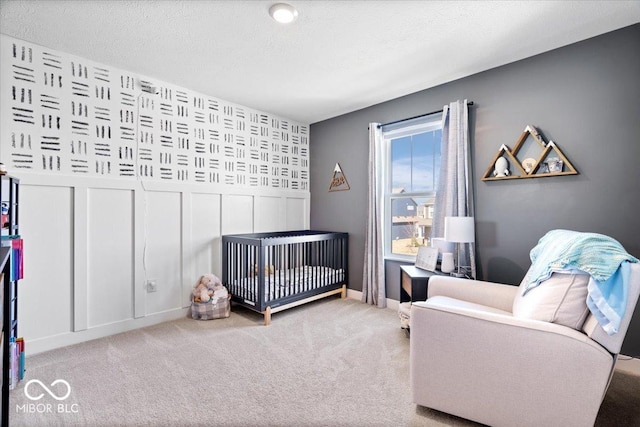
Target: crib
column 271, row 272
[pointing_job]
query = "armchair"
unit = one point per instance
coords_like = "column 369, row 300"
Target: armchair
column 471, row 357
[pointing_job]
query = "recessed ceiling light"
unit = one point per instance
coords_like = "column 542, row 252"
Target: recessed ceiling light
column 283, row 13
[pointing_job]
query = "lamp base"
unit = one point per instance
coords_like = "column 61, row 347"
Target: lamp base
column 455, row 274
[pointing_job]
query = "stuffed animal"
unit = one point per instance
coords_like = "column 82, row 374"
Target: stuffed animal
column 205, row 288
column 219, row 292
column 268, row 269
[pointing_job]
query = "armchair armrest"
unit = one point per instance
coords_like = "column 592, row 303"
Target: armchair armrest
column 494, row 295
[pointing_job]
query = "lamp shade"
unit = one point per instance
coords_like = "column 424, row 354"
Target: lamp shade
column 459, row 229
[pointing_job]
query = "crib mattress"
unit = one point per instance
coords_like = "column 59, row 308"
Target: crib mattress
column 287, row 282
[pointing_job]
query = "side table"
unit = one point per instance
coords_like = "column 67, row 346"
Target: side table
column 414, row 283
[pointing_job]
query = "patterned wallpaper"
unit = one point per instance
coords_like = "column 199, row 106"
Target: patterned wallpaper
column 62, row 114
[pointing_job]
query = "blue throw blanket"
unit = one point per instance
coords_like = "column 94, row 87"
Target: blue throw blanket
column 600, row 256
column 608, row 300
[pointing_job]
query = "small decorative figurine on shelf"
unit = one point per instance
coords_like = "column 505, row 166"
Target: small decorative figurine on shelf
column 555, row 164
column 528, row 164
column 501, row 167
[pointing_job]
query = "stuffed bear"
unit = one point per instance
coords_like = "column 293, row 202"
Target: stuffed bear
column 268, row 269
column 219, row 292
column 205, row 288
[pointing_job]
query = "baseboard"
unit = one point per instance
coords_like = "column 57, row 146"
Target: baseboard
column 392, row 304
column 354, row 294
column 40, row 345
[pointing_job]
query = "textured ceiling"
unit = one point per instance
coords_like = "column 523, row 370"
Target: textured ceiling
column 339, row 56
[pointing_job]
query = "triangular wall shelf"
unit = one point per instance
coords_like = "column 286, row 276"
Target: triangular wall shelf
column 550, row 162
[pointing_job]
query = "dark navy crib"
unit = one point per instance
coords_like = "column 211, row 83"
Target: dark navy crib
column 270, row 272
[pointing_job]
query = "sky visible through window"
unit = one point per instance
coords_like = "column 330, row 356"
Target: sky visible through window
column 414, row 159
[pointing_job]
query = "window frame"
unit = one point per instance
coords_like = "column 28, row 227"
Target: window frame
column 391, row 132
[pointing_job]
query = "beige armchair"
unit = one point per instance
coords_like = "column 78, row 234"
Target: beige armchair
column 471, row 357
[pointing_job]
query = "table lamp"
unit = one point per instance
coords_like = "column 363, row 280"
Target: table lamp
column 459, row 229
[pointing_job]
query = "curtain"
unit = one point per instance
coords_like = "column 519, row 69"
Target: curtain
column 454, row 193
column 373, row 284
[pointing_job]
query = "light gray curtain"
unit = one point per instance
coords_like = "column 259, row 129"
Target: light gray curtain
column 373, row 285
column 454, row 194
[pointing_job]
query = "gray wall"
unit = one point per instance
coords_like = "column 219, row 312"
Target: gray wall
column 585, row 97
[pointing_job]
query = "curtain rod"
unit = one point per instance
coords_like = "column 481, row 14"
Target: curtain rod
column 416, row 117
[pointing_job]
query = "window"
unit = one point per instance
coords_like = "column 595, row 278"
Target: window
column 412, row 150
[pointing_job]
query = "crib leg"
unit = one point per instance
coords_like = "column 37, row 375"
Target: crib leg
column 267, row 316
column 343, row 294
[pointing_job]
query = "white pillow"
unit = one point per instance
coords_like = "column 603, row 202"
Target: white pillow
column 562, row 299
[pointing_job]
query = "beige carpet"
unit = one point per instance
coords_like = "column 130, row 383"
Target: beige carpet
column 329, row 363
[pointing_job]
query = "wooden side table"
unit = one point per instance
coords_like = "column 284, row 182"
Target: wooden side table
column 414, row 283
column 413, row 287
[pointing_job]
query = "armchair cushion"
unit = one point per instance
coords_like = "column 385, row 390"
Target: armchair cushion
column 560, row 299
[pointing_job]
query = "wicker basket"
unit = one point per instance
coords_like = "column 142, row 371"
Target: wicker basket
column 210, row 310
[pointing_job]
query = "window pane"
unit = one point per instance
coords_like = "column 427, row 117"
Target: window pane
column 401, row 165
column 415, row 162
column 411, row 219
column 426, row 161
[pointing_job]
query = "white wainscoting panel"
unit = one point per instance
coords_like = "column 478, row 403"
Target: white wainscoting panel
column 268, row 214
column 205, row 249
column 237, row 214
column 110, row 256
column 297, row 214
column 163, row 260
column 45, row 294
